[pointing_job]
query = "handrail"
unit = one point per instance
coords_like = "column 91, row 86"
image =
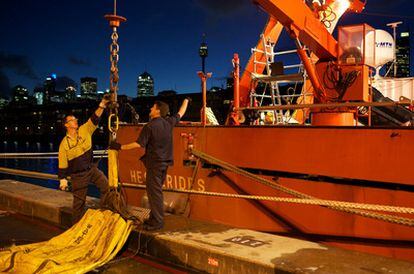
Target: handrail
column 329, row 105
column 27, row 173
column 44, row 155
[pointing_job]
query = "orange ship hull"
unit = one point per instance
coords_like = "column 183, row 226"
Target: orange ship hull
column 363, row 165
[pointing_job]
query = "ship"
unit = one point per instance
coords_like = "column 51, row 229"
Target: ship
column 330, row 163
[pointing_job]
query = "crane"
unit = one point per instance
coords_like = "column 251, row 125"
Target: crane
column 310, row 25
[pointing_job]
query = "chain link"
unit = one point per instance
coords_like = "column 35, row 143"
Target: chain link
column 114, row 79
column 114, row 58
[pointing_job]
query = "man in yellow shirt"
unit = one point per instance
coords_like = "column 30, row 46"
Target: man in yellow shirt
column 76, row 160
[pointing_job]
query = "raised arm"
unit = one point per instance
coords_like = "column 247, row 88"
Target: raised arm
column 183, row 107
column 93, row 122
column 102, row 105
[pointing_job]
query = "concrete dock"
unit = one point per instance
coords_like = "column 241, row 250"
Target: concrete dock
column 206, row 247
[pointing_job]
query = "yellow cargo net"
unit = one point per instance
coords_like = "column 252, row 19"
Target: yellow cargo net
column 91, row 243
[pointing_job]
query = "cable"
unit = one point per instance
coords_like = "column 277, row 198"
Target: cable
column 333, row 78
column 328, row 16
column 348, row 80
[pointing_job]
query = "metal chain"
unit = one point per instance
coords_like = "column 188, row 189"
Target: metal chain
column 113, row 120
column 114, row 58
column 330, row 204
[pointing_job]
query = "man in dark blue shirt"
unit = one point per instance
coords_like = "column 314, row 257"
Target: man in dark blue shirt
column 157, row 139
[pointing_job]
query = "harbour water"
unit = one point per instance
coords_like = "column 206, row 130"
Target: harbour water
column 44, row 165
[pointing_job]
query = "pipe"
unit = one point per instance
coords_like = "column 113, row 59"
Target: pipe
column 236, row 78
column 204, row 76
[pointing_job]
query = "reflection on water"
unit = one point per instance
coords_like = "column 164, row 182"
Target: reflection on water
column 39, row 165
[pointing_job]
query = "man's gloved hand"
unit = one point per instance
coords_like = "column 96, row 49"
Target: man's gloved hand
column 115, row 145
column 105, row 100
column 63, row 185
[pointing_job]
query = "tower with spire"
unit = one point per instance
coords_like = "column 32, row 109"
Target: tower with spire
column 203, row 52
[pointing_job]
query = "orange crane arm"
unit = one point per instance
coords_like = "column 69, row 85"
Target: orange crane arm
column 305, row 27
column 301, row 23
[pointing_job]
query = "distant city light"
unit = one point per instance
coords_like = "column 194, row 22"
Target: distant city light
column 53, row 75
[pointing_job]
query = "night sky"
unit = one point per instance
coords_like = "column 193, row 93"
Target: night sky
column 71, row 39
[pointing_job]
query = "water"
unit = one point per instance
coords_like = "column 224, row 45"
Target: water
column 40, row 165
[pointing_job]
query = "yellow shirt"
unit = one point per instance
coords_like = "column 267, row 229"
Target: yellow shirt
column 76, row 154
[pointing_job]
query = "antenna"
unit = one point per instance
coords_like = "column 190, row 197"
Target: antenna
column 394, row 26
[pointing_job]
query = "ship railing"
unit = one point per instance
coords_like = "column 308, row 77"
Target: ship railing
column 45, row 155
column 329, row 105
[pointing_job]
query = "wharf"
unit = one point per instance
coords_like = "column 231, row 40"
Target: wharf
column 203, row 246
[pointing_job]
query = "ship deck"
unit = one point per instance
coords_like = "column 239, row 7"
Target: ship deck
column 194, row 245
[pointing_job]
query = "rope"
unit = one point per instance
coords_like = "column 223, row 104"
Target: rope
column 232, row 168
column 321, row 202
column 349, row 207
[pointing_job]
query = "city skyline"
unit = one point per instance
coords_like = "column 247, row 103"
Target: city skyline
column 72, row 40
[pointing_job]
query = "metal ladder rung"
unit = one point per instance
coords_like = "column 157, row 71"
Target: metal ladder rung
column 261, row 95
column 279, row 78
column 293, row 66
column 260, row 62
column 262, row 51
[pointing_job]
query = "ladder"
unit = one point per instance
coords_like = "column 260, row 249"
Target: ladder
column 271, row 83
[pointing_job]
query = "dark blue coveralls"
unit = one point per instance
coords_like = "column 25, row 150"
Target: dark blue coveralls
column 157, row 139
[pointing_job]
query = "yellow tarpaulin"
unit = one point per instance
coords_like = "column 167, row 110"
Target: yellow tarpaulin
column 91, row 243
